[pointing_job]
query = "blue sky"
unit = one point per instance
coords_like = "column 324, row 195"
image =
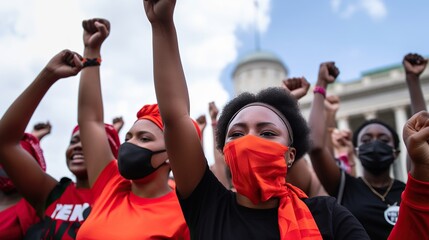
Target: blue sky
column 305, row 33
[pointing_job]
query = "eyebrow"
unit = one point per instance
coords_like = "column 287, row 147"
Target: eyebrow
column 377, row 134
column 259, row 124
column 139, row 133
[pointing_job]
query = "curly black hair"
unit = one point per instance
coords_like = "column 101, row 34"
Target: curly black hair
column 280, row 99
column 376, row 121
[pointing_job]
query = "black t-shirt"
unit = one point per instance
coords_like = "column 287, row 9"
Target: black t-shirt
column 212, row 212
column 369, row 209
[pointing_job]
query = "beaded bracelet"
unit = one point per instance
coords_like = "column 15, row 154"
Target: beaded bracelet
column 319, row 89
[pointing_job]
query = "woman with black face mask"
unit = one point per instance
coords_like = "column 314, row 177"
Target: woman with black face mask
column 373, row 198
column 132, row 197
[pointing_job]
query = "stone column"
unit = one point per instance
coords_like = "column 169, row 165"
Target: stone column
column 343, row 123
column 400, row 165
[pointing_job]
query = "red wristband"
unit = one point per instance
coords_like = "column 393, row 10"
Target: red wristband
column 91, row 62
column 319, row 89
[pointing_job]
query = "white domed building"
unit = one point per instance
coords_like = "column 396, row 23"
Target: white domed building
column 258, row 70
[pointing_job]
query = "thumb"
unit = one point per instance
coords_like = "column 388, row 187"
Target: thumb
column 77, row 61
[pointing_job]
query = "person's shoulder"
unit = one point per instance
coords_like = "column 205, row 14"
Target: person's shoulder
column 320, row 200
column 65, row 180
column 58, row 190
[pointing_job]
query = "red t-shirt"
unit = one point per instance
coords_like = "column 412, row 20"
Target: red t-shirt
column 15, row 220
column 413, row 218
column 67, row 208
column 119, row 214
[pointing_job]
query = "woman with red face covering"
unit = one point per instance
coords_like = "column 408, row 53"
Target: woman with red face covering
column 133, row 199
column 261, row 135
column 60, row 205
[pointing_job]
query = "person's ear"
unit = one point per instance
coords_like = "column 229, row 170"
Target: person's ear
column 290, row 156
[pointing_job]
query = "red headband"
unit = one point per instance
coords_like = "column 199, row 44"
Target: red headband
column 112, row 136
column 151, row 112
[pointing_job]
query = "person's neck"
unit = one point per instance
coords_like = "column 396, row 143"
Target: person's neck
column 82, row 183
column 245, row 202
column 9, row 199
column 152, row 186
column 381, row 180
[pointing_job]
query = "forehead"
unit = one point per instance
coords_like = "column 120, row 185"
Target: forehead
column 147, row 126
column 257, row 114
column 375, row 129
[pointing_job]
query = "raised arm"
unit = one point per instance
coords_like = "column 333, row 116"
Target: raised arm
column 297, row 86
column 40, row 130
column 413, row 218
column 90, row 105
column 202, row 123
column 332, row 104
column 320, row 154
column 183, row 145
column 414, row 65
column 118, row 123
column 416, row 138
column 219, row 168
column 30, row 180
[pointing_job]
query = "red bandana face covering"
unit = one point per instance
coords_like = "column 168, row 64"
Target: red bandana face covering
column 259, row 169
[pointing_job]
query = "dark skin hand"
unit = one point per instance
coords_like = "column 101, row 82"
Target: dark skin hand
column 414, row 63
column 329, row 72
column 40, row 130
column 118, row 123
column 297, row 86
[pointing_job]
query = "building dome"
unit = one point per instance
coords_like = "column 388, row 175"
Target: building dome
column 259, row 56
column 258, row 70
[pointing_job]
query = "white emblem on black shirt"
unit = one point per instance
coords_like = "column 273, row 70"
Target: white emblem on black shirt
column 391, row 214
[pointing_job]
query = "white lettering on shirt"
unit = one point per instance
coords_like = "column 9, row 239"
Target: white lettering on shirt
column 69, row 212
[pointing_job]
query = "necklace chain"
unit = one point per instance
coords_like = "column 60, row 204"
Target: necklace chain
column 382, row 197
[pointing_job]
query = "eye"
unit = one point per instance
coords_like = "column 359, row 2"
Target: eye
column 74, row 141
column 145, row 139
column 384, row 139
column 126, row 139
column 235, row 134
column 365, row 139
column 268, row 134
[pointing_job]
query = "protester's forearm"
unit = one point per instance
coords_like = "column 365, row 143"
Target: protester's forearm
column 416, row 95
column 170, row 83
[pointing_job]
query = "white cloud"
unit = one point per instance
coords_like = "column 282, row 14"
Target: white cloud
column 335, row 4
column 376, row 9
column 30, row 34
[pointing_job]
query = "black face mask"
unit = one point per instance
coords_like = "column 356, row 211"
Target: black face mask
column 134, row 162
column 376, row 156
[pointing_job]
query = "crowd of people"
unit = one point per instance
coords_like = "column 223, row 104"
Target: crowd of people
column 276, row 175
